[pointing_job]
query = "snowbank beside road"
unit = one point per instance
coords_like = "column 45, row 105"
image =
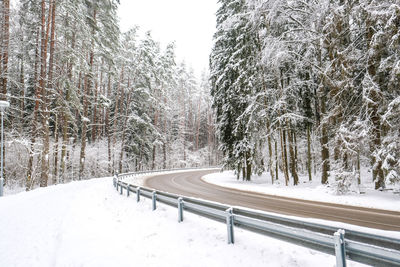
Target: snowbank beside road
column 89, row 224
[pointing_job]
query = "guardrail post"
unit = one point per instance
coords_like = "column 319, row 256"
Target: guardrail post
column 138, row 194
column 154, row 200
column 229, row 224
column 127, row 190
column 116, row 179
column 121, row 189
column 340, row 251
column 180, row 209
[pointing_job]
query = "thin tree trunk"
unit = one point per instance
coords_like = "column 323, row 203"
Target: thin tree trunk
column 4, row 69
column 271, row 170
column 292, row 155
column 56, row 137
column 324, row 143
column 86, row 91
column 276, row 161
column 84, row 128
column 164, row 156
column 358, row 167
column 248, row 166
column 5, row 47
column 309, row 153
column 29, row 180
column 107, row 125
column 95, row 116
column 64, row 145
column 50, row 85
column 124, row 127
column 166, row 138
column 153, row 161
column 44, row 176
column 295, row 150
column 65, row 118
column 373, row 109
column 198, row 125
column 284, row 156
column 22, row 94
column 116, row 112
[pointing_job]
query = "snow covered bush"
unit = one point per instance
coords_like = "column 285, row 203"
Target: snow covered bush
column 345, row 182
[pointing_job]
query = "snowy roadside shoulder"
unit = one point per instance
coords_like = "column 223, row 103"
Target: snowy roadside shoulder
column 90, row 224
column 307, row 191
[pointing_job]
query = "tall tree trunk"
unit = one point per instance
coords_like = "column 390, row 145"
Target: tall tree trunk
column 44, row 176
column 29, row 178
column 65, row 122
column 373, row 108
column 309, row 152
column 164, row 156
column 284, row 156
column 95, row 103
column 270, row 167
column 210, row 140
column 248, row 166
column 124, row 127
column 165, row 140
column 118, row 101
column 292, row 155
column 22, row 94
column 276, row 161
column 4, row 57
column 295, row 150
column 97, row 116
column 107, row 124
column 358, row 167
column 84, row 128
column 50, row 85
column 56, row 139
column 5, row 47
column 65, row 117
column 153, row 160
column 198, row 125
column 324, row 143
column 87, row 87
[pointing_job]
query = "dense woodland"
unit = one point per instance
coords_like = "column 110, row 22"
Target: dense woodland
column 87, row 100
column 298, row 88
column 309, row 88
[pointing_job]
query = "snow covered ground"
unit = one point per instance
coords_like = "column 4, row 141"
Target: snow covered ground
column 311, row 190
column 89, row 224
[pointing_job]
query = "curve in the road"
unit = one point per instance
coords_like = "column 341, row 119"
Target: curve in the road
column 190, row 184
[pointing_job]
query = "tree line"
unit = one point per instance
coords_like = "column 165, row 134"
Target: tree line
column 88, row 100
column 307, row 87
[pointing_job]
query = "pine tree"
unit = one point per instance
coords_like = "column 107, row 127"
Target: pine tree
column 234, row 74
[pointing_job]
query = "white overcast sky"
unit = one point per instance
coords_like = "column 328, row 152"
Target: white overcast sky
column 190, row 23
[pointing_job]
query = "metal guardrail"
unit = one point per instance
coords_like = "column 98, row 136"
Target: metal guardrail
column 373, row 249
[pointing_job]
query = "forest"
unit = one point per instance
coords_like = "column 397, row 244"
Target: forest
column 308, row 88
column 87, row 100
column 295, row 88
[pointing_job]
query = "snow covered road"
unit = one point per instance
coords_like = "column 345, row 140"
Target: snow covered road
column 89, row 224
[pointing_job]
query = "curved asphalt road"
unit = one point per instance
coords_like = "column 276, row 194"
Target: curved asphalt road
column 190, row 184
